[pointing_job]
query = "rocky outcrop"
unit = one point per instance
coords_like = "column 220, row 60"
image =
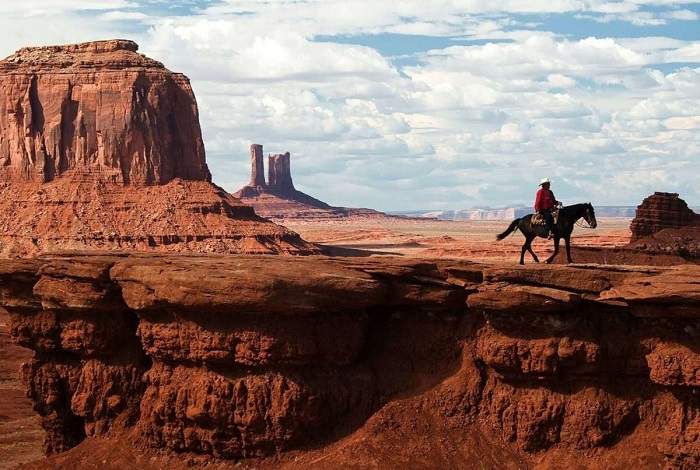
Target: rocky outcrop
column 661, row 211
column 100, row 148
column 278, row 199
column 97, row 106
column 236, row 356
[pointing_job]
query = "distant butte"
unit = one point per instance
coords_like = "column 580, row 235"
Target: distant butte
column 101, row 148
column 278, row 199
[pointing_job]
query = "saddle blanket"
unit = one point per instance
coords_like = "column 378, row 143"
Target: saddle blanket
column 537, row 218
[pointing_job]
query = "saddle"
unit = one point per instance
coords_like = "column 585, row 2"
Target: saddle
column 537, row 218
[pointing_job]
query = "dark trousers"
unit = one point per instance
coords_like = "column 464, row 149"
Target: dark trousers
column 548, row 219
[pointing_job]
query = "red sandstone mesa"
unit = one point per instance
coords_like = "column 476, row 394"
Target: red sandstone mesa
column 97, row 106
column 100, row 147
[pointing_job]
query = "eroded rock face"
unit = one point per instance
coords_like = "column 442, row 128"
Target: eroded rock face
column 98, row 107
column 236, row 356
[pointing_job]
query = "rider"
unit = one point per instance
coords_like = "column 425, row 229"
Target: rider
column 545, row 202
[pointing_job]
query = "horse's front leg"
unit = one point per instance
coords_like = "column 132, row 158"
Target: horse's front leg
column 567, row 242
column 527, row 246
column 556, row 250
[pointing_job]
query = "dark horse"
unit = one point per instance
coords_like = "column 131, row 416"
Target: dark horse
column 568, row 216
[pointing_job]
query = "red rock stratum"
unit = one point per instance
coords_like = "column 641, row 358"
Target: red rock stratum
column 373, row 363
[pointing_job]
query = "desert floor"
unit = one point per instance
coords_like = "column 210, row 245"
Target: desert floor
column 475, row 240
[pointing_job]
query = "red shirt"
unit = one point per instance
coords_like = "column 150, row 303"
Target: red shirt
column 545, row 200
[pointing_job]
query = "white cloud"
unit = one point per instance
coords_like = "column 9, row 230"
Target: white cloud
column 34, row 8
column 509, row 132
column 123, row 16
column 682, row 123
column 557, row 80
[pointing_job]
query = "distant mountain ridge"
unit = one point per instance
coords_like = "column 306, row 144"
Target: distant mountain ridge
column 509, row 213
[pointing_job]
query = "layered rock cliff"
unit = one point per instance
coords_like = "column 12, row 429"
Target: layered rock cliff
column 441, row 364
column 101, row 148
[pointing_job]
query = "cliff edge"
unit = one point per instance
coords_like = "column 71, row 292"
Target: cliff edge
column 328, row 363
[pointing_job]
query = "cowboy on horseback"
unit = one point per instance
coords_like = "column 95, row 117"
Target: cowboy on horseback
column 544, row 203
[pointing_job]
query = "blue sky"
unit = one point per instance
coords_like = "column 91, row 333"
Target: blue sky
column 448, row 104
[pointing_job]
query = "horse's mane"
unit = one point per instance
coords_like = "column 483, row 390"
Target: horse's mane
column 578, row 205
column 577, row 210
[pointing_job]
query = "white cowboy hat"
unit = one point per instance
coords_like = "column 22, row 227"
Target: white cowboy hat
column 544, row 180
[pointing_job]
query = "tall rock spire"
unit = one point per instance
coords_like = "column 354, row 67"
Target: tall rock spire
column 257, row 175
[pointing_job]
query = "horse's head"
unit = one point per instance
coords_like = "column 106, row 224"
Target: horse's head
column 589, row 215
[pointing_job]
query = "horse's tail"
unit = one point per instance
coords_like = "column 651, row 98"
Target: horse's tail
column 512, row 228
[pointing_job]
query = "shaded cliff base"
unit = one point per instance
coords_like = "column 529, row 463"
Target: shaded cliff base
column 21, row 436
column 378, row 363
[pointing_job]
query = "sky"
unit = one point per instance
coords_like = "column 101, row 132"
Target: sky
column 423, row 105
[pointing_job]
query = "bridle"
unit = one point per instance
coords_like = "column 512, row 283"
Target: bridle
column 587, row 213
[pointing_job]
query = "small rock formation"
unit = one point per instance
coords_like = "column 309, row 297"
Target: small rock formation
column 477, row 365
column 100, row 147
column 661, row 211
column 278, row 198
